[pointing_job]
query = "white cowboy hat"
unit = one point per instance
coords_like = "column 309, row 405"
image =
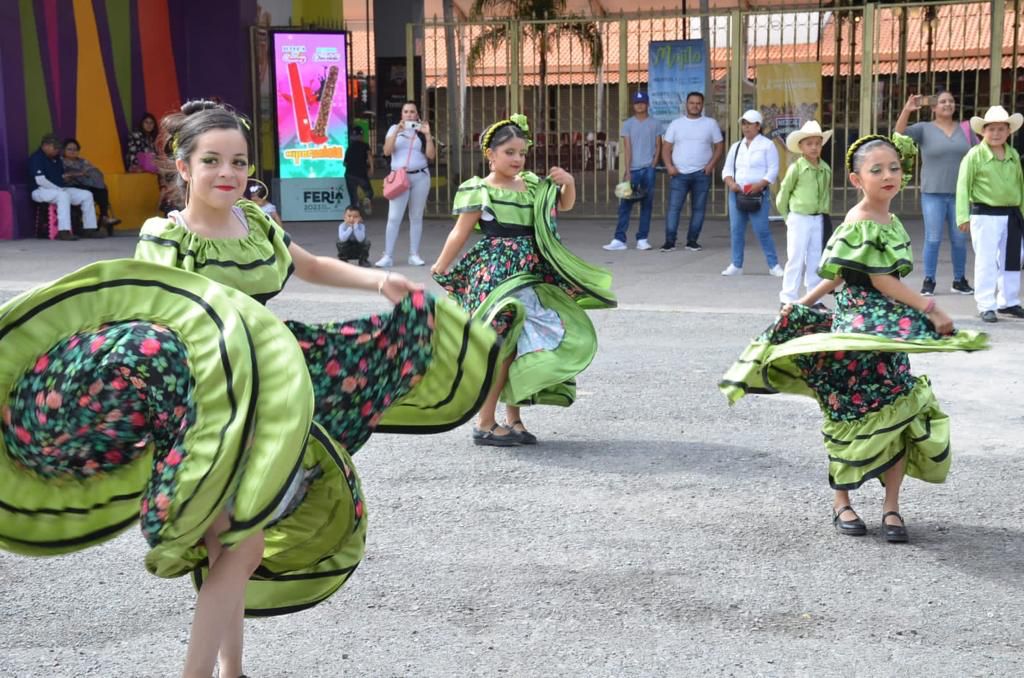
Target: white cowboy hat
column 997, row 114
column 811, row 128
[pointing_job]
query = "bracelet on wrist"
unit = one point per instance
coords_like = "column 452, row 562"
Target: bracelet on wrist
column 929, row 307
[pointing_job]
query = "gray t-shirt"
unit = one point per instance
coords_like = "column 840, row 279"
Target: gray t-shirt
column 643, row 140
column 940, row 155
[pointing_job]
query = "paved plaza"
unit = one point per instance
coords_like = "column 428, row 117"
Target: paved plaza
column 654, row 532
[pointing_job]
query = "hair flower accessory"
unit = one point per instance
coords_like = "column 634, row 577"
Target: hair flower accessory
column 904, row 146
column 520, row 121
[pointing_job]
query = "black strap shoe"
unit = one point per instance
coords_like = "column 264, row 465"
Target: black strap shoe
column 1016, row 311
column 895, row 534
column 525, row 437
column 988, row 316
column 489, row 437
column 854, row 528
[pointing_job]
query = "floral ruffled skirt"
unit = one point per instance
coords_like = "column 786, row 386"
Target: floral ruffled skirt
column 855, row 364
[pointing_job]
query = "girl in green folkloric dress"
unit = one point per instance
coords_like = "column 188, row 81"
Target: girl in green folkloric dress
column 521, row 279
column 130, row 388
column 880, row 421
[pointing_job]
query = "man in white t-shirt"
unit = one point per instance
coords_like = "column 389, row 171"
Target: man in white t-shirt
column 691, row 149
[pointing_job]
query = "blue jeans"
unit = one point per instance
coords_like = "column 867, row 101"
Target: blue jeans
column 738, row 230
column 939, row 209
column 642, row 178
column 698, row 184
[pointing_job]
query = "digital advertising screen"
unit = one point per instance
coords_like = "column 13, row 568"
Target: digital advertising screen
column 311, row 109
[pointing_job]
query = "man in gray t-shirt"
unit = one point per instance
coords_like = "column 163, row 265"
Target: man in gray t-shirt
column 641, row 146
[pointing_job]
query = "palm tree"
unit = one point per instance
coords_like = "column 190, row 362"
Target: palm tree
column 545, row 35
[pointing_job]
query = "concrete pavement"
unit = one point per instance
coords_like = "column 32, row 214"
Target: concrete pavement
column 654, row 532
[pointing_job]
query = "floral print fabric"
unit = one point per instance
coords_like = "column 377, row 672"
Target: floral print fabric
column 850, row 384
column 97, row 400
column 360, row 367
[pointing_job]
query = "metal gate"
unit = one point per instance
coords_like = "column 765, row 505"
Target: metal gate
column 572, row 77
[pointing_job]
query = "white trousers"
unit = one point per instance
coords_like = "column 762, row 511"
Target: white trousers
column 64, row 198
column 994, row 287
column 416, row 200
column 803, row 252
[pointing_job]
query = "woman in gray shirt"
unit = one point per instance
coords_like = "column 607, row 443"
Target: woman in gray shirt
column 943, row 143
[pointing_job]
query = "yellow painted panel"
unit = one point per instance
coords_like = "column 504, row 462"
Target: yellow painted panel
column 95, row 126
column 134, row 197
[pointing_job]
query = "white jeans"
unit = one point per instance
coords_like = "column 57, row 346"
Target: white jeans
column 416, row 200
column 803, row 251
column 64, row 198
column 994, row 287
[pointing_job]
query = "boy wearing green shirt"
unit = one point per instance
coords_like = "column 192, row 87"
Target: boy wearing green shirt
column 989, row 202
column 804, row 201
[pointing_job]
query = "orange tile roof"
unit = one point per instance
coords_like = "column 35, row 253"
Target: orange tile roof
column 960, row 41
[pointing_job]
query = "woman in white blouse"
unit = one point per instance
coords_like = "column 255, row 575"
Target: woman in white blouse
column 416, row 162
column 751, row 166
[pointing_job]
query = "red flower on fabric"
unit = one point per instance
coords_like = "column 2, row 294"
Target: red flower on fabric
column 348, row 331
column 23, row 435
column 348, row 384
column 149, row 347
column 138, row 419
column 406, row 367
column 857, row 400
column 173, row 457
column 42, row 363
column 905, row 324
column 119, row 384
column 333, row 368
column 113, row 457
column 418, row 300
column 858, row 322
column 367, row 408
column 96, row 343
column 41, row 417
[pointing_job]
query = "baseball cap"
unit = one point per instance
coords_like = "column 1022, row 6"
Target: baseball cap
column 641, row 98
column 50, row 139
column 752, row 116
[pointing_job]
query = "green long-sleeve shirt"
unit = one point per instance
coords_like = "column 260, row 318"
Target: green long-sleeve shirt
column 806, row 189
column 986, row 179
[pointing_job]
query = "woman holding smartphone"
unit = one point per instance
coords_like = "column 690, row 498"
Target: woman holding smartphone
column 410, row 146
column 943, row 143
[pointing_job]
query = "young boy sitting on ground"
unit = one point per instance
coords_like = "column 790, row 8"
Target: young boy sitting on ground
column 352, row 240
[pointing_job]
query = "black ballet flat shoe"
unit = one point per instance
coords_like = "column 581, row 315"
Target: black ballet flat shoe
column 525, row 437
column 1016, row 311
column 853, row 528
column 894, row 534
column 489, row 437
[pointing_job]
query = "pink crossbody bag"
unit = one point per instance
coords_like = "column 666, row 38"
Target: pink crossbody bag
column 397, row 181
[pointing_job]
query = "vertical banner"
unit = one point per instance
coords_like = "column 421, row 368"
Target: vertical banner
column 675, row 67
column 788, row 95
column 311, row 115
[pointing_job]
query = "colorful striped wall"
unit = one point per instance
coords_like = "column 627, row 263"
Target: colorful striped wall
column 90, row 69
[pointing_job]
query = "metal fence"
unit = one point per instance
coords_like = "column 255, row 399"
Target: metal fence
column 572, row 77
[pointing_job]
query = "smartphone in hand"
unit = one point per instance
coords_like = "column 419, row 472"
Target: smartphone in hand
column 926, row 101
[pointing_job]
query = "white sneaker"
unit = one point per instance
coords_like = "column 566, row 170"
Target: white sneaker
column 776, row 270
column 616, row 245
column 732, row 270
column 643, row 244
column 414, row 260
column 385, row 262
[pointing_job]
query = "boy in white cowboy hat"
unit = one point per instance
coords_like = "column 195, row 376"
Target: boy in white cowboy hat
column 804, row 201
column 990, row 202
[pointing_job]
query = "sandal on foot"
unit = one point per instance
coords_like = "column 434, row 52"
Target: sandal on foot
column 895, row 534
column 854, row 528
column 525, row 437
column 489, row 437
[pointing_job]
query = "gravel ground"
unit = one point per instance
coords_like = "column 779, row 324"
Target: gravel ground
column 654, row 532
